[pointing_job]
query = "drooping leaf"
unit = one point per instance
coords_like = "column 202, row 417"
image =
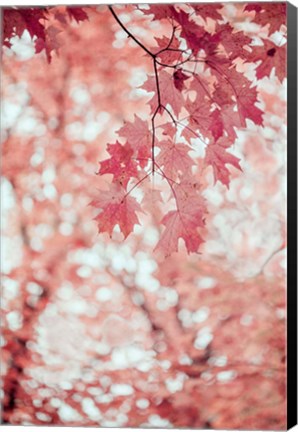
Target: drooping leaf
column 184, row 222
column 169, row 94
column 139, row 138
column 271, row 56
column 234, row 85
column 121, row 164
column 77, row 13
column 190, row 31
column 208, row 10
column 116, row 208
column 170, row 52
column 271, row 14
column 200, row 115
column 159, row 11
column 17, row 20
column 233, row 42
column 174, row 159
column 218, row 158
column 50, row 43
column 179, row 78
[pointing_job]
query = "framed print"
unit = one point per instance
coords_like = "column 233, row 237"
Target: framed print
column 149, row 206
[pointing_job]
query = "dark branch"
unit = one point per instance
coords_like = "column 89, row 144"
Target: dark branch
column 129, row 33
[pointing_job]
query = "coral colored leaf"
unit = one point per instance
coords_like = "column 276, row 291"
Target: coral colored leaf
column 139, row 138
column 233, row 42
column 234, row 85
column 121, row 164
column 225, row 121
column 190, row 31
column 210, row 44
column 116, row 208
column 246, row 100
column 208, row 10
column 159, row 11
column 16, row 21
column 272, row 14
column 174, row 158
column 179, row 78
column 169, row 94
column 271, row 56
column 170, row 52
column 183, row 222
column 77, row 13
column 218, row 158
column 50, row 43
column 200, row 115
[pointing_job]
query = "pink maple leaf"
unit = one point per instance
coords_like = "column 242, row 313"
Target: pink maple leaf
column 139, row 138
column 121, row 164
column 116, row 208
column 218, row 158
column 169, row 94
column 174, row 158
column 184, row 222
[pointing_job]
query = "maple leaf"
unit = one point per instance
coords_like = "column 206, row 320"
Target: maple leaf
column 208, row 10
column 116, row 208
column 238, row 87
column 183, row 222
column 179, row 78
column 171, row 53
column 209, row 43
column 271, row 56
column 120, row 164
column 174, row 158
column 77, row 13
column 50, row 43
column 32, row 19
column 218, row 158
column 225, row 119
column 233, row 42
column 159, row 11
column 200, row 115
column 246, row 99
column 17, row 20
column 190, row 31
column 169, row 94
column 139, row 138
column 271, row 14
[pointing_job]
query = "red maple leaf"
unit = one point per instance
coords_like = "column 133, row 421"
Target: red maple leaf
column 233, row 42
column 50, row 43
column 183, row 222
column 271, row 56
column 200, row 115
column 225, row 120
column 246, row 100
column 208, row 10
column 139, row 138
column 190, row 31
column 77, row 13
column 169, row 94
column 218, row 158
column 170, row 52
column 116, row 208
column 234, row 85
column 179, row 78
column 159, row 11
column 272, row 14
column 121, row 164
column 174, row 158
column 17, row 20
